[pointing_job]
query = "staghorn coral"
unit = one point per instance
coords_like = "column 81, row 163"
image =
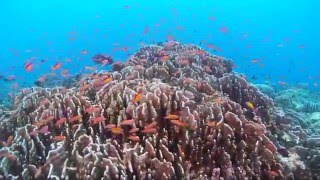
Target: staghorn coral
column 182, row 117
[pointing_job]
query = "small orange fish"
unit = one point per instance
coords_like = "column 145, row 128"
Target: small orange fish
column 151, row 125
column 55, row 66
column 107, row 80
column 84, row 87
column 134, row 130
column 128, row 122
column 92, row 109
column 59, row 138
column 49, row 118
column 149, row 131
column 210, row 46
column 223, row 29
column 75, row 118
column 282, row 83
column 110, row 126
column 178, row 123
column 169, row 38
column 44, row 102
column 28, row 66
column 97, row 119
column 165, row 58
column 136, row 97
column 172, row 117
column 117, row 130
column 254, row 61
column 134, row 138
column 60, row 122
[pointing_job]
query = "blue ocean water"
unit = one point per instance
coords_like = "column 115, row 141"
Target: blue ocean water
column 273, row 41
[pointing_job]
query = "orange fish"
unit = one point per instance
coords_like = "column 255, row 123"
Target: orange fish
column 110, row 126
column 282, row 83
column 55, row 66
column 178, row 123
column 149, row 131
column 165, row 58
column 134, row 138
column 128, row 122
column 254, row 61
column 97, row 119
column 223, row 29
column 136, row 97
column 75, row 118
column 210, row 46
column 28, row 66
column 59, row 138
column 117, row 130
column 84, row 87
column 172, row 117
column 107, row 80
column 60, row 121
column 169, row 38
column 151, row 125
column 50, row 118
column 92, row 110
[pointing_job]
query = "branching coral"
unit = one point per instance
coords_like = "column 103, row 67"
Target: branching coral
column 171, row 111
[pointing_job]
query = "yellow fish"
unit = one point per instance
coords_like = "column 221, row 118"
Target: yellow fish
column 250, row 105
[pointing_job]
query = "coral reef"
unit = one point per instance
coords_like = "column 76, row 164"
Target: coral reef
column 172, row 111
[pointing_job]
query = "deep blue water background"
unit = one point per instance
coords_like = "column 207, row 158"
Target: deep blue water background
column 269, row 31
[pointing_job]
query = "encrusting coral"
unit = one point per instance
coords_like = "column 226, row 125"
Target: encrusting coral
column 172, row 111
